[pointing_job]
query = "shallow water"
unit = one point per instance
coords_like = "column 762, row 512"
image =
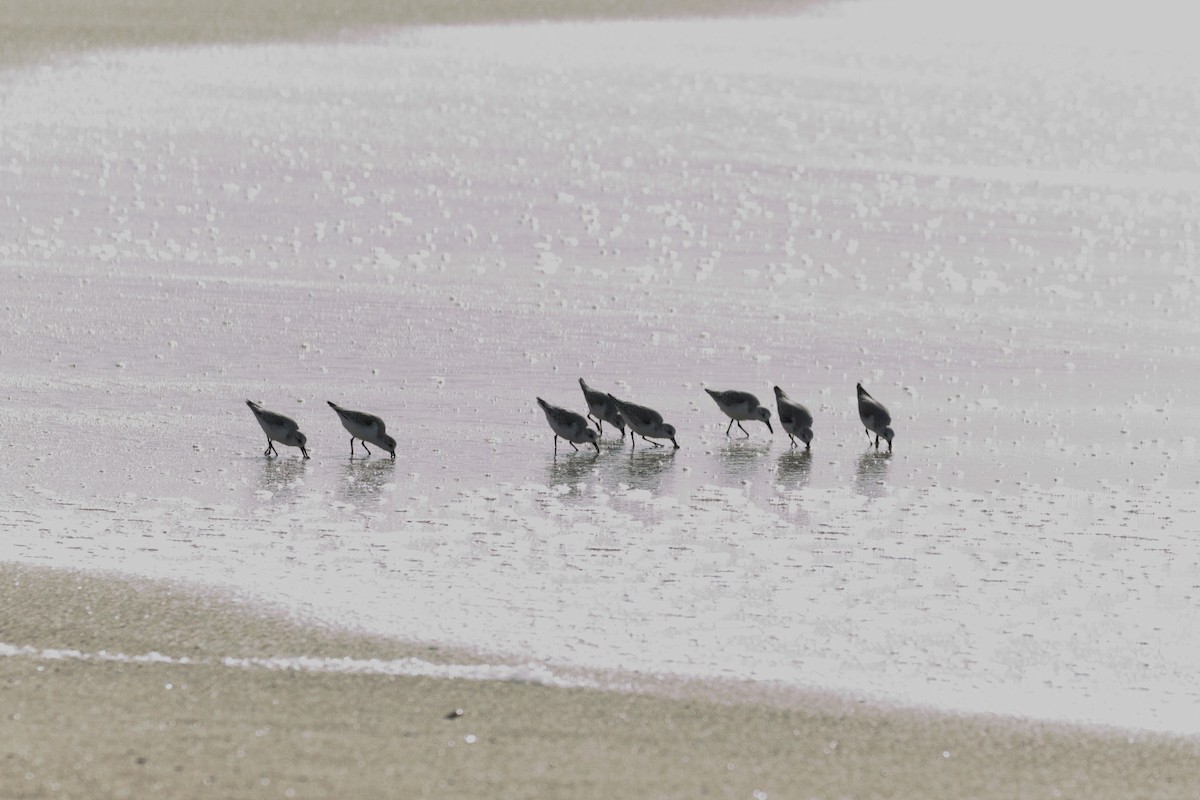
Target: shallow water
column 996, row 237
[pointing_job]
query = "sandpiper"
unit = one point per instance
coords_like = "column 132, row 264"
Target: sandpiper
column 646, row 422
column 601, row 409
column 570, row 426
column 366, row 428
column 875, row 418
column 740, row 406
column 278, row 428
column 794, row 418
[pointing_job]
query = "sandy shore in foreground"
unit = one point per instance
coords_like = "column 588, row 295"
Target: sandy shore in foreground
column 78, row 728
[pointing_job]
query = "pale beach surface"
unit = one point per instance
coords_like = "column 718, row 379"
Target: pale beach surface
column 990, row 223
column 137, row 722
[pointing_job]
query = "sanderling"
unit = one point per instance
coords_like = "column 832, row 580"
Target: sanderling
column 875, row 418
column 366, row 428
column 278, row 428
column 794, row 418
column 644, row 421
column 570, row 426
column 601, row 409
column 739, row 406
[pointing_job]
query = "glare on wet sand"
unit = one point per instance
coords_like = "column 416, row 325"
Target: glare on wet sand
column 442, row 224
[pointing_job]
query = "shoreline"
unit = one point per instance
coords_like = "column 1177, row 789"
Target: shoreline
column 77, row 727
column 31, row 31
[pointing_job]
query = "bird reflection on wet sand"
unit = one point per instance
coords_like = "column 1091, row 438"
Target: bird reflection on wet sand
column 742, row 459
column 794, row 467
column 870, row 476
column 365, row 479
column 282, row 477
column 571, row 469
column 643, row 469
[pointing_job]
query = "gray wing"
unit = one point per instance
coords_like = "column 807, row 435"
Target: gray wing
column 791, row 411
column 870, row 408
column 561, row 415
column 644, row 416
column 733, row 397
column 271, row 418
column 593, row 397
column 361, row 418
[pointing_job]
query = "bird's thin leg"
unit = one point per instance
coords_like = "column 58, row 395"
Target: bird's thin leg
column 352, row 447
column 267, row 452
column 556, row 444
column 793, row 438
column 651, row 441
column 632, row 440
column 364, row 441
column 600, row 426
column 730, row 428
column 876, row 441
column 302, row 450
column 743, row 430
column 576, row 449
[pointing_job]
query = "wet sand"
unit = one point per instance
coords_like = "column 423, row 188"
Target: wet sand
column 29, row 30
column 87, row 728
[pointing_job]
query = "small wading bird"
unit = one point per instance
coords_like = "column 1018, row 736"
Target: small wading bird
column 366, row 428
column 875, row 418
column 794, row 418
column 645, row 422
column 740, row 406
column 278, row 428
column 601, row 409
column 570, row 426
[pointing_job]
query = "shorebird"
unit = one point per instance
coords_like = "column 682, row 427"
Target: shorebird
column 278, row 428
column 875, row 418
column 366, row 428
column 646, row 422
column 794, row 418
column 739, row 406
column 570, row 426
column 601, row 409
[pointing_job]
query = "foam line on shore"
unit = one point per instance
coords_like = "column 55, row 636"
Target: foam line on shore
column 400, row 667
